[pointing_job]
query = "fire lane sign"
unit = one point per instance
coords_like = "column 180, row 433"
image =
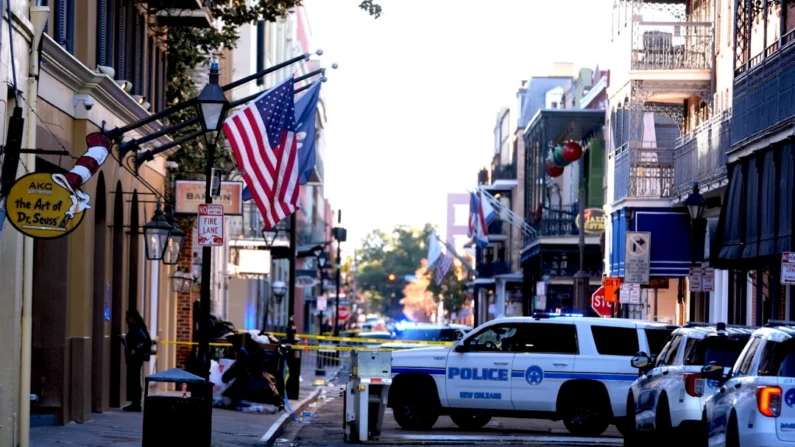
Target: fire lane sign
column 211, row 225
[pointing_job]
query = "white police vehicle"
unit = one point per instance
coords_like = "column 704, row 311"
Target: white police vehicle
column 553, row 367
column 669, row 395
column 755, row 403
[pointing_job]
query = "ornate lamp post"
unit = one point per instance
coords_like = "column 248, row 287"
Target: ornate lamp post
column 156, row 233
column 696, row 205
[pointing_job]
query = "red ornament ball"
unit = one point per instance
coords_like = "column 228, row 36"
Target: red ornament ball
column 553, row 170
column 572, row 151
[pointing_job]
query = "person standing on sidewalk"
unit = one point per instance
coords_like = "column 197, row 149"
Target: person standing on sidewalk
column 137, row 349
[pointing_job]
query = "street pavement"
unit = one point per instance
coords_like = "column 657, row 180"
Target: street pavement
column 117, row 428
column 324, row 428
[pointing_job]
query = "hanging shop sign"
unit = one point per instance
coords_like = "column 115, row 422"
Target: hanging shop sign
column 306, row 278
column 41, row 208
column 594, row 221
column 189, row 195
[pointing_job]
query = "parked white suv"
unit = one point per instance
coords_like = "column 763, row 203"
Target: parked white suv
column 755, row 403
column 553, row 367
column 670, row 392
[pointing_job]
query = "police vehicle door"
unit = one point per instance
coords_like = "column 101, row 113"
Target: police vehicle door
column 544, row 360
column 479, row 369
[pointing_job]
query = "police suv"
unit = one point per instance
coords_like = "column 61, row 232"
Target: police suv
column 754, row 405
column 548, row 366
column 670, row 392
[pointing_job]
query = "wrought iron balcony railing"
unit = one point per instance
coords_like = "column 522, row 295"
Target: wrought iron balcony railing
column 490, row 269
column 504, row 172
column 558, row 221
column 672, row 45
column 644, row 172
column 700, row 156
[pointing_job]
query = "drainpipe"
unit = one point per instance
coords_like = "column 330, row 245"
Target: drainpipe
column 39, row 13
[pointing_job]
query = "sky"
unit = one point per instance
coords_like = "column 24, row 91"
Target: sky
column 412, row 108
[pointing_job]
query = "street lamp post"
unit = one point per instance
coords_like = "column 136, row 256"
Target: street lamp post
column 696, row 205
column 341, row 235
column 211, row 106
column 581, row 278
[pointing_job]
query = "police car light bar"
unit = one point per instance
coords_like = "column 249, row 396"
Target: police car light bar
column 773, row 323
column 539, row 315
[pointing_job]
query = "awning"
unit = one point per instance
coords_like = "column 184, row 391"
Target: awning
column 670, row 254
column 567, row 124
column 509, row 277
column 756, row 215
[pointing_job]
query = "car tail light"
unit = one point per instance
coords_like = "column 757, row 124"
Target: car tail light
column 694, row 385
column 768, row 399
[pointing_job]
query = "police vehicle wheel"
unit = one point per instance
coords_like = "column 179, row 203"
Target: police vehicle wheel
column 732, row 436
column 662, row 423
column 413, row 409
column 470, row 420
column 586, row 417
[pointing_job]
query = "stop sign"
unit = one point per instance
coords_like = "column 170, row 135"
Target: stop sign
column 344, row 314
column 600, row 305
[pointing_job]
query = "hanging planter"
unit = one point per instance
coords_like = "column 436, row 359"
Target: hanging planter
column 571, row 151
column 558, row 159
column 552, row 170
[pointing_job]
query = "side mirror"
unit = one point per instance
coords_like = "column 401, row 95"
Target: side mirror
column 641, row 360
column 712, row 371
column 461, row 348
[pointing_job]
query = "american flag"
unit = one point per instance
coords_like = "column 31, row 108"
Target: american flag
column 442, row 267
column 262, row 136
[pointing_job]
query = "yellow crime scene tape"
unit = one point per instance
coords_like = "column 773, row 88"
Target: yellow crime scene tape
column 362, row 340
column 296, row 347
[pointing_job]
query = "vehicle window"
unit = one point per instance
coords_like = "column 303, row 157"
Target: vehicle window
column 421, row 335
column 615, row 340
column 663, row 352
column 747, row 357
column 543, row 338
column 670, row 354
column 497, row 338
column 778, row 359
column 723, row 351
column 657, row 339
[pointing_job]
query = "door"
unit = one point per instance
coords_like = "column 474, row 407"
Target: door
column 778, row 359
column 544, row 360
column 479, row 370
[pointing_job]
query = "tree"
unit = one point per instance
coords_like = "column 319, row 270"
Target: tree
column 400, row 254
column 452, row 289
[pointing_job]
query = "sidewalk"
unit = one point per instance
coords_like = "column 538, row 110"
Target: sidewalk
column 117, row 428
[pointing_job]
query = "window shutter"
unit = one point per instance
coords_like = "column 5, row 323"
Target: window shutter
column 121, row 40
column 138, row 49
column 70, row 26
column 60, row 22
column 102, row 30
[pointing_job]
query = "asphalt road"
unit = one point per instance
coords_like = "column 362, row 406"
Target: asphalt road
column 324, row 428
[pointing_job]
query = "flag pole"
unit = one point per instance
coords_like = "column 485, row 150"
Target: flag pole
column 454, row 253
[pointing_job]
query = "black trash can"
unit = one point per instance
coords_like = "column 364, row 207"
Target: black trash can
column 178, row 418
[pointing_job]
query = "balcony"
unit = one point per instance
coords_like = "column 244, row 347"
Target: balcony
column 191, row 13
column 644, row 172
column 491, row 269
column 671, row 46
column 558, row 221
column 700, row 156
column 504, row 172
column 764, row 89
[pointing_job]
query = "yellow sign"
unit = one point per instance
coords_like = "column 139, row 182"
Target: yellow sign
column 594, row 221
column 37, row 207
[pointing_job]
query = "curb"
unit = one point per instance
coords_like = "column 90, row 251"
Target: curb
column 278, row 427
column 502, row 440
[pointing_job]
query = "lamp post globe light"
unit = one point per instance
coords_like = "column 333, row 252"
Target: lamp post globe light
column 174, row 243
column 156, row 233
column 279, row 290
column 211, row 104
column 181, row 281
column 269, row 236
column 696, row 204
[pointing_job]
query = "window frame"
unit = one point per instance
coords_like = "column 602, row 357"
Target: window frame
column 748, row 354
column 468, row 341
column 633, row 330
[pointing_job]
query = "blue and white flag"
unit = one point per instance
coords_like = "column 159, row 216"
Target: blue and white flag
column 305, row 110
column 488, row 211
column 434, row 249
column 478, row 228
